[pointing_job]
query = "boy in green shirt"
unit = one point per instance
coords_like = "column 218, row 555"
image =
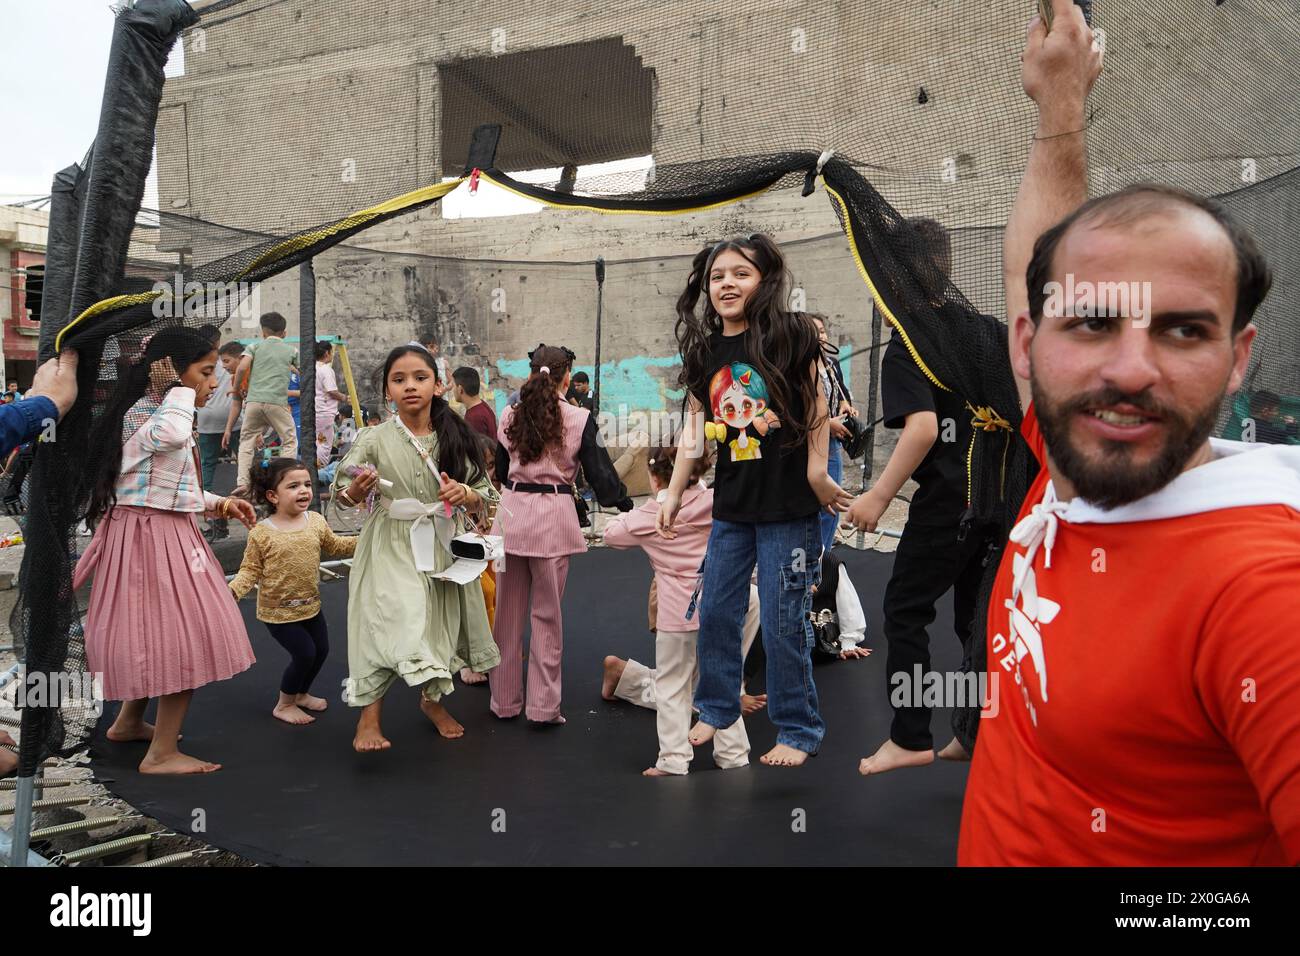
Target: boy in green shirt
column 267, row 402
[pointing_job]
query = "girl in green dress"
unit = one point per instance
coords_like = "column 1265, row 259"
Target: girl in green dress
column 427, row 483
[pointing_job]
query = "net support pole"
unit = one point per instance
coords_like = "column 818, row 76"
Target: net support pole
column 873, row 385
column 24, row 794
column 143, row 35
column 600, row 300
column 307, row 369
column 60, row 256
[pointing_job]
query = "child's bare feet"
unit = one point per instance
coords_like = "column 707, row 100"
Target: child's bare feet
column 614, row 667
column 369, row 738
column 784, row 756
column 468, row 676
column 308, row 702
column 954, row 751
column 291, row 713
column 752, row 703
column 447, row 725
column 890, row 756
column 126, row 731
column 655, row 772
column 701, row 733
column 176, row 763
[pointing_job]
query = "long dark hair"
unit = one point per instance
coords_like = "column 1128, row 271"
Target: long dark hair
column 184, row 346
column 538, row 422
column 779, row 344
column 456, row 444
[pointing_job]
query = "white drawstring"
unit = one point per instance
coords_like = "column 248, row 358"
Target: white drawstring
column 1037, row 528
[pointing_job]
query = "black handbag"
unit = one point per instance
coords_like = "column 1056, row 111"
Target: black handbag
column 579, row 502
column 825, row 622
column 826, row 633
column 855, row 445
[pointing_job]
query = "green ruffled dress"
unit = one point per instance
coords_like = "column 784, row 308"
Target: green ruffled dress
column 402, row 623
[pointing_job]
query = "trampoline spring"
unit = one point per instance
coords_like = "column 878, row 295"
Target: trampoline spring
column 78, row 826
column 44, row 782
column 104, row 849
column 168, row 860
column 51, row 804
column 11, row 721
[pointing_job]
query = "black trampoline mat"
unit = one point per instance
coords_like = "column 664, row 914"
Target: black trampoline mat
column 509, row 792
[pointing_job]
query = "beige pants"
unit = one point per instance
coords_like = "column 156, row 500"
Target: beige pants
column 257, row 417
column 669, row 688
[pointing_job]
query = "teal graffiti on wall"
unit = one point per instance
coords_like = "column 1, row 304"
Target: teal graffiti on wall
column 628, row 383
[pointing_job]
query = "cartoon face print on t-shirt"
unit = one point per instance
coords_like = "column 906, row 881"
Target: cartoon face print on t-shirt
column 739, row 399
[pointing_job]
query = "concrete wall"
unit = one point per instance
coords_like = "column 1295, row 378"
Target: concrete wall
column 277, row 102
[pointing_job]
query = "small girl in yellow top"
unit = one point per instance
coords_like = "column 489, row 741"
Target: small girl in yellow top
column 282, row 557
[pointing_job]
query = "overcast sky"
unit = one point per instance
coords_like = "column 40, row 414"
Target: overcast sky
column 53, row 55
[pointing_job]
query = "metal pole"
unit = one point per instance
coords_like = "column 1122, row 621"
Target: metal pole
column 600, row 296
column 873, row 386
column 23, row 797
column 307, row 371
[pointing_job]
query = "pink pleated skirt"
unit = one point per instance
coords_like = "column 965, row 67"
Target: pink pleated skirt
column 161, row 618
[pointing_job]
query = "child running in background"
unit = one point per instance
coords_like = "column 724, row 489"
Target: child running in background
column 161, row 620
column 676, row 562
column 755, row 367
column 282, row 557
column 404, row 624
column 267, row 363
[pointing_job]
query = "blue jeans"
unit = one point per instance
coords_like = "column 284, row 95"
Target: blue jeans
column 788, row 554
column 209, row 452
column 834, row 468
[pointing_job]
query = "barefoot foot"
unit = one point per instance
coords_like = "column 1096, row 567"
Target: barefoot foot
column 784, row 756
column 655, row 772
column 955, row 751
column 308, row 702
column 701, row 733
column 890, row 756
column 291, row 714
column 614, row 667
column 176, row 763
column 369, row 738
column 752, row 704
column 468, row 676
column 121, row 733
column 447, row 725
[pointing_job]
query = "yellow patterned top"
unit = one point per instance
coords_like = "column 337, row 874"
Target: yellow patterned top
column 286, row 567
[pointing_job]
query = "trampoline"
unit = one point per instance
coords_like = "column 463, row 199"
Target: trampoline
column 512, row 793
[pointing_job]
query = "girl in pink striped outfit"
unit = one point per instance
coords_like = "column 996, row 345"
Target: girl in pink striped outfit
column 542, row 441
column 676, row 562
column 161, row 620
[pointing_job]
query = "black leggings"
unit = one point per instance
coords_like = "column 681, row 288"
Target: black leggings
column 308, row 643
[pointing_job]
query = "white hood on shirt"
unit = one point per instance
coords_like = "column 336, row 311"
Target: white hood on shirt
column 1241, row 475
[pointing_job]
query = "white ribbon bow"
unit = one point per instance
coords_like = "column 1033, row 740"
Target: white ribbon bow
column 426, row 535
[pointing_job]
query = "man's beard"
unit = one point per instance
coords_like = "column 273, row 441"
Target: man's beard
column 1113, row 480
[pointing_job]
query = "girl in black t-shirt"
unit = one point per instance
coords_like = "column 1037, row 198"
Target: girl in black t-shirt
column 752, row 368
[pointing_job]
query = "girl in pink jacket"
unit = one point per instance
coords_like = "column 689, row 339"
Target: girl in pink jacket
column 669, row 688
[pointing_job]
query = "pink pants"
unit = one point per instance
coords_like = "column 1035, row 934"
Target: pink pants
column 529, row 589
